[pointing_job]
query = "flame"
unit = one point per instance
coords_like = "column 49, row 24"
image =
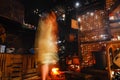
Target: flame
column 55, row 71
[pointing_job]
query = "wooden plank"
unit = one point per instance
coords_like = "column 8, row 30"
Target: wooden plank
column 14, row 66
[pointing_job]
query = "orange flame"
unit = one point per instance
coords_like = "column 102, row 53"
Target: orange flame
column 55, row 71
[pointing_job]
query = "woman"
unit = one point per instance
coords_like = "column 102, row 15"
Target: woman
column 46, row 43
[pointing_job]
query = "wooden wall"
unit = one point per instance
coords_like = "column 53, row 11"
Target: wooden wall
column 17, row 66
column 12, row 9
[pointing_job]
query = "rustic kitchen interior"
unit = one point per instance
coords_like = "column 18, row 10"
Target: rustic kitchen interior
column 89, row 39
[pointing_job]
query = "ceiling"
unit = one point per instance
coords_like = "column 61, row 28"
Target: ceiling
column 62, row 6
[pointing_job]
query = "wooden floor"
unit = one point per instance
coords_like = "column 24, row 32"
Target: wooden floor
column 33, row 78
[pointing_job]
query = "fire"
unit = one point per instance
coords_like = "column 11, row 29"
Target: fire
column 55, row 71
